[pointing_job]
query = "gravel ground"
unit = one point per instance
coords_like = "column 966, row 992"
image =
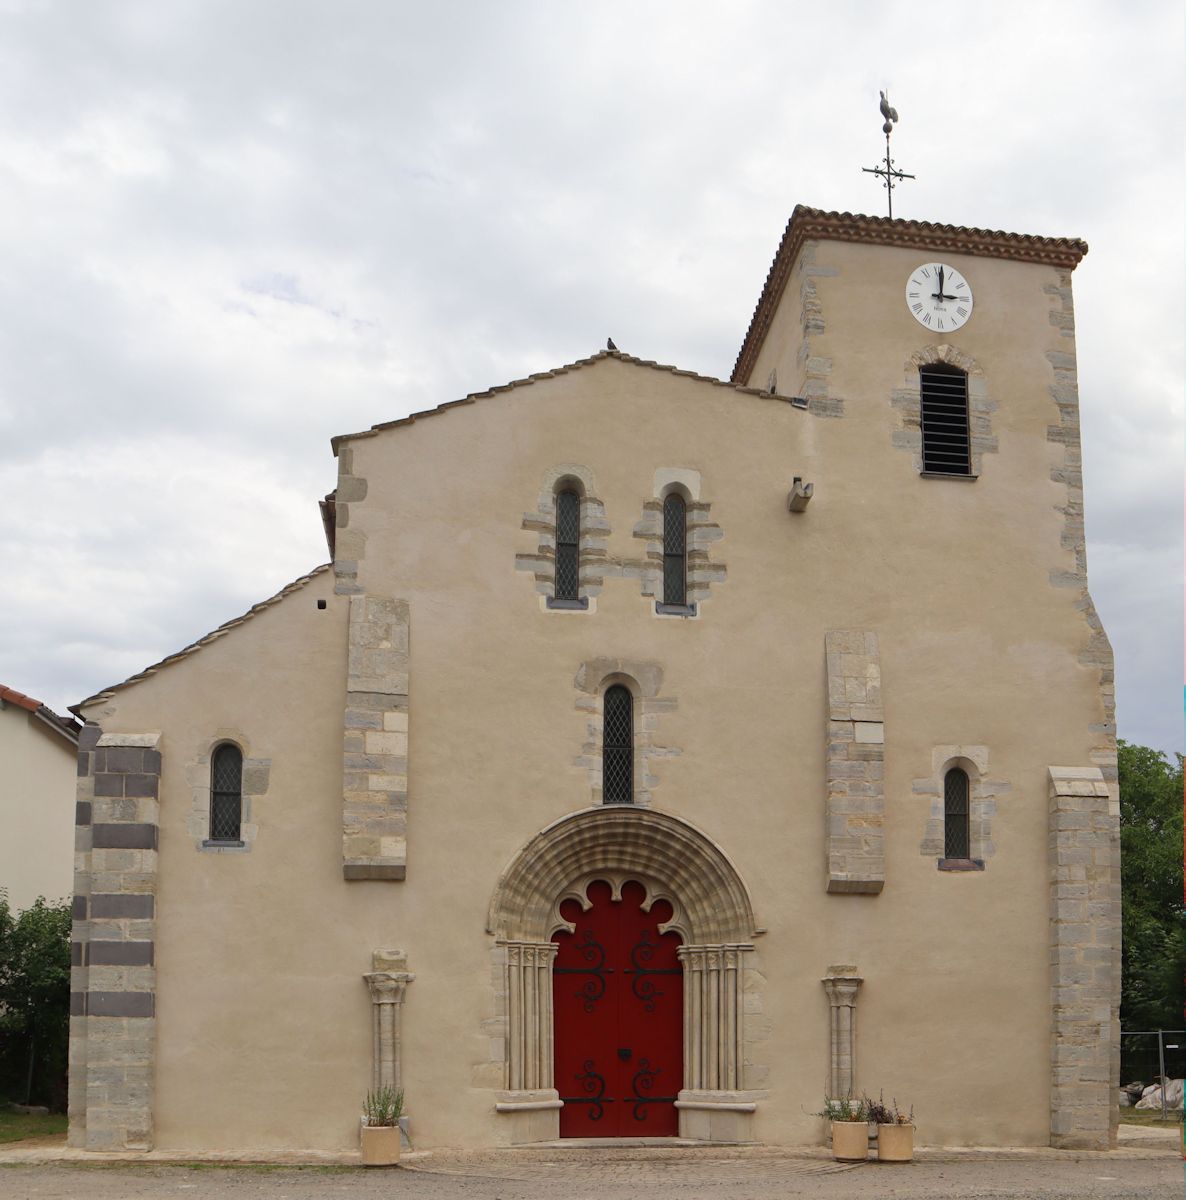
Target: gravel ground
column 642, row 1174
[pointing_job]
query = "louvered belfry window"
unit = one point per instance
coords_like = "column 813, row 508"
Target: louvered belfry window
column 226, row 793
column 617, row 756
column 946, row 446
column 675, row 550
column 568, row 541
column 955, row 814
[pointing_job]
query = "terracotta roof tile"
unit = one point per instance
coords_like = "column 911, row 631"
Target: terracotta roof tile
column 813, row 224
column 12, row 696
column 68, row 727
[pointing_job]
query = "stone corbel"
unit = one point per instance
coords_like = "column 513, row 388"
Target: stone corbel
column 388, row 982
column 842, row 983
column 799, row 495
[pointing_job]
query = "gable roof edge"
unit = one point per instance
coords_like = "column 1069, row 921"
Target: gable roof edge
column 540, row 376
column 205, row 640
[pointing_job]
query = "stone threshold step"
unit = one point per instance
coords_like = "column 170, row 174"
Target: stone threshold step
column 622, row 1143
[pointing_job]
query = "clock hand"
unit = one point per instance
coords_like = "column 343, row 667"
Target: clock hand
column 940, row 282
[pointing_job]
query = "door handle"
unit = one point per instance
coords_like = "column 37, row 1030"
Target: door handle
column 624, row 1053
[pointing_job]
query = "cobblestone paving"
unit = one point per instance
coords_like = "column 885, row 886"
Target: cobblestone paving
column 644, row 1174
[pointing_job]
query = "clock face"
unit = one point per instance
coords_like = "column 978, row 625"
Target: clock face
column 939, row 297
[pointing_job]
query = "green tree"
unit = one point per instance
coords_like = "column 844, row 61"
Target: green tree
column 34, row 1001
column 1154, row 920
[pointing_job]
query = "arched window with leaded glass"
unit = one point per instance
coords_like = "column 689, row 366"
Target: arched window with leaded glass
column 568, row 545
column 956, row 841
column 675, row 550
column 226, row 793
column 617, row 755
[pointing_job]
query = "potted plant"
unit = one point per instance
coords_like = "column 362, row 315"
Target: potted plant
column 850, row 1128
column 380, row 1127
column 895, row 1130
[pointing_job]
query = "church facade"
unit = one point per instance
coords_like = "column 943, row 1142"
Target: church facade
column 658, row 755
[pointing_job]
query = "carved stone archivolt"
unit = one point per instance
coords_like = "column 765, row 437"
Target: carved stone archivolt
column 626, row 841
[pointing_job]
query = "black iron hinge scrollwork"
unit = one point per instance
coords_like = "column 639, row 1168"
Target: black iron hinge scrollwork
column 593, row 989
column 642, row 985
column 594, row 1085
column 643, row 1081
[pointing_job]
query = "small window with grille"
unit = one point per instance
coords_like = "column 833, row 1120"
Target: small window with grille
column 226, row 793
column 567, row 590
column 617, row 755
column 955, row 815
column 946, row 440
column 675, row 550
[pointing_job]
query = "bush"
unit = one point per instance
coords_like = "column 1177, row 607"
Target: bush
column 34, row 1002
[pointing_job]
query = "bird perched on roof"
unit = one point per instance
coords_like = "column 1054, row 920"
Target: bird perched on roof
column 888, row 112
column 609, row 344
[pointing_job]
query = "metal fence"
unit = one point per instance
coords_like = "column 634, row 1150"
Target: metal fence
column 1152, row 1056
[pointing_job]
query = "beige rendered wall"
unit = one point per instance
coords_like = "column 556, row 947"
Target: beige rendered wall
column 264, row 1021
column 36, row 809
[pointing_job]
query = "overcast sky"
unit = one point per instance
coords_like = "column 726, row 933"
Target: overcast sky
column 230, row 230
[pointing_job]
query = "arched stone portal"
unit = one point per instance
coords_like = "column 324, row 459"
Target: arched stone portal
column 711, row 911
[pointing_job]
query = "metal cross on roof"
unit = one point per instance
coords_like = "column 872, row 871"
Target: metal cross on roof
column 889, row 172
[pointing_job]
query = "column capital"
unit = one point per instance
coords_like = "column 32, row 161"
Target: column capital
column 529, row 954
column 388, row 987
column 842, row 984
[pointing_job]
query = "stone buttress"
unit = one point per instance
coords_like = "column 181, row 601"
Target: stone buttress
column 113, row 973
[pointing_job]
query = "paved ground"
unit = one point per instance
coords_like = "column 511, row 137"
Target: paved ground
column 1146, row 1167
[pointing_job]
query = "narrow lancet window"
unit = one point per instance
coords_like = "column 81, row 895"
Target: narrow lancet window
column 675, row 550
column 568, row 542
column 226, row 793
column 946, row 441
column 617, row 761
column 955, row 814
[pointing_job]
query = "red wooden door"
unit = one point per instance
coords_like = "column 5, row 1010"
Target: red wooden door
column 618, row 991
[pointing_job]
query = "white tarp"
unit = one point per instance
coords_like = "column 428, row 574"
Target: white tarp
column 1151, row 1097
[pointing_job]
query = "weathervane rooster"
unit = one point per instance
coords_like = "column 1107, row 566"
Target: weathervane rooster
column 889, row 113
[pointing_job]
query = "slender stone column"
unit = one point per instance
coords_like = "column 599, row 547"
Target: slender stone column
column 712, row 1017
column 842, row 984
column 387, row 988
column 529, row 1012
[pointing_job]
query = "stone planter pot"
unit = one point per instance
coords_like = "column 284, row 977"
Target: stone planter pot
column 380, row 1145
column 895, row 1143
column 850, row 1141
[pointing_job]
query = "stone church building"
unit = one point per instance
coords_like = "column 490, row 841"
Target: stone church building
column 657, row 755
